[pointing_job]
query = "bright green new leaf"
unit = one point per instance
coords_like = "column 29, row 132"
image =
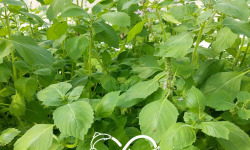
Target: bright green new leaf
column 57, row 30
column 238, row 139
column 224, row 40
column 118, row 18
column 105, row 107
column 135, row 30
column 13, row 2
column 4, row 73
column 142, row 89
column 215, row 129
column 178, row 136
column 169, row 18
column 155, row 118
column 238, row 27
column 76, row 46
column 39, row 137
column 5, row 49
column 55, row 8
column 55, row 94
column 177, row 46
column 72, row 10
column 195, row 100
column 244, row 114
column 129, row 3
column 8, row 135
column 75, row 93
column 79, row 117
column 238, row 9
column 26, row 87
column 18, row 106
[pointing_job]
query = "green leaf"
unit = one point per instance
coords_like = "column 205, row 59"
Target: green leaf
column 177, row 46
column 75, row 93
column 40, row 21
column 17, row 106
column 178, row 136
column 238, row 9
column 169, row 18
column 204, row 16
column 57, row 30
column 79, row 117
column 238, row 27
column 106, row 105
column 5, row 73
column 135, row 30
column 215, row 129
column 13, row 2
column 118, row 18
column 39, row 137
column 106, row 34
column 224, row 40
column 124, row 103
column 5, row 49
column 243, row 96
column 72, row 10
column 109, row 83
column 129, row 3
column 195, row 100
column 244, row 114
column 55, row 8
column 54, row 95
column 76, row 46
column 26, row 87
column 43, row 72
column 31, row 52
column 156, row 117
column 238, row 139
column 142, row 89
column 8, row 135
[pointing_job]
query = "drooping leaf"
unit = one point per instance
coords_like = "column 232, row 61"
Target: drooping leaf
column 54, row 95
column 177, row 46
column 26, row 87
column 38, row 137
column 118, row 18
column 178, row 136
column 238, row 9
column 18, row 106
column 79, row 116
column 135, row 30
column 195, row 100
column 238, row 27
column 215, row 129
column 106, row 105
column 225, row 39
column 72, row 10
column 142, row 89
column 8, row 135
column 55, row 8
column 76, row 46
column 57, row 30
column 156, row 117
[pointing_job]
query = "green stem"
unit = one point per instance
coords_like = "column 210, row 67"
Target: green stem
column 9, row 35
column 90, row 51
column 82, row 3
column 100, row 62
column 122, row 49
column 162, row 28
column 239, row 52
column 197, row 44
column 72, row 70
column 72, row 145
column 245, row 55
column 4, row 104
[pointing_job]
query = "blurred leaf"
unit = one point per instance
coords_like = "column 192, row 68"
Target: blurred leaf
column 57, row 30
column 18, row 106
column 118, row 18
column 238, row 27
column 135, row 30
column 26, row 87
column 8, row 135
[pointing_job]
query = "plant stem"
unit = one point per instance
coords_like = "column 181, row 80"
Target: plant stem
column 238, row 53
column 4, row 104
column 245, row 54
column 9, row 35
column 72, row 145
column 90, row 50
column 197, row 44
column 163, row 30
column 100, row 62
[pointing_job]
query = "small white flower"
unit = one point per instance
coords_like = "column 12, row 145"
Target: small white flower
column 139, row 12
column 180, row 99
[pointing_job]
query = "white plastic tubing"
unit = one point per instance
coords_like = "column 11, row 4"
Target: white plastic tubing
column 109, row 137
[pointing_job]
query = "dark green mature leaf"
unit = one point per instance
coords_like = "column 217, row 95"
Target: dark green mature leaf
column 5, row 73
column 57, row 30
column 39, row 137
column 142, row 89
column 76, row 46
column 129, row 3
column 79, row 117
column 238, row 9
column 177, row 46
column 106, row 33
column 195, row 100
column 238, row 139
column 178, row 136
column 238, row 27
column 5, row 49
column 55, row 8
column 135, row 30
column 13, row 2
column 118, row 18
column 124, row 103
column 156, row 117
column 8, row 135
column 31, row 52
column 106, row 105
column 72, row 10
column 215, row 129
column 26, row 87
column 109, row 83
column 224, row 40
column 55, row 94
column 18, row 106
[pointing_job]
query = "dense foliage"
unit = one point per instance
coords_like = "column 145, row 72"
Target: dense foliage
column 125, row 68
